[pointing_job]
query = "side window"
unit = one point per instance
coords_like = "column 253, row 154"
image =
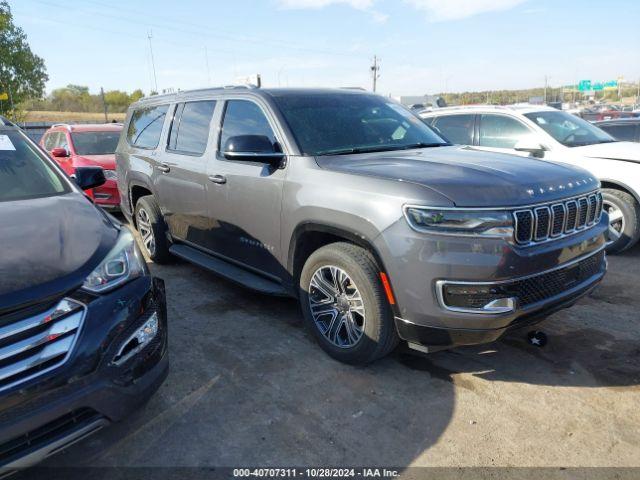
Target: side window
column 145, row 126
column 456, row 128
column 50, row 140
column 500, row 131
column 243, row 117
column 190, row 127
column 625, row 133
column 62, row 141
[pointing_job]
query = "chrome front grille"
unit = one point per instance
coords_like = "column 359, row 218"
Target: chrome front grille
column 545, row 222
column 31, row 345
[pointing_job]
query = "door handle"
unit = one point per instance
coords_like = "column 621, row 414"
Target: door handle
column 219, row 179
column 164, row 168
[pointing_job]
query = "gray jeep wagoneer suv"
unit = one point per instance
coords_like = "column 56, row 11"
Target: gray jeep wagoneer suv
column 349, row 202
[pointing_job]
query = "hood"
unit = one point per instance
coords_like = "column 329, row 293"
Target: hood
column 471, row 178
column 628, row 151
column 49, row 246
column 108, row 162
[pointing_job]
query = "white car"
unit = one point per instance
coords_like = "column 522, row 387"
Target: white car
column 555, row 135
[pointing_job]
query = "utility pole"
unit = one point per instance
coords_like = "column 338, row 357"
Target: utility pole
column 153, row 63
column 104, row 105
column 206, row 58
column 546, row 82
column 375, row 72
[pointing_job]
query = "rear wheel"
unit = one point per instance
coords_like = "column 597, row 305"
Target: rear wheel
column 345, row 306
column 624, row 219
column 152, row 229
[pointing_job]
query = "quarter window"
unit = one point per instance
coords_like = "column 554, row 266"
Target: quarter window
column 500, row 131
column 243, row 117
column 145, row 126
column 190, row 127
column 456, row 128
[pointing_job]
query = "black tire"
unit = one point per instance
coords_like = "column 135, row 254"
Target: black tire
column 147, row 207
column 378, row 337
column 630, row 209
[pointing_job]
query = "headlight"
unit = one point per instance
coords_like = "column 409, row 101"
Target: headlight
column 123, row 263
column 486, row 223
column 110, row 175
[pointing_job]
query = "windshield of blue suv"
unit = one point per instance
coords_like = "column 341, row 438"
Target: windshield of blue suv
column 24, row 174
column 345, row 123
column 569, row 130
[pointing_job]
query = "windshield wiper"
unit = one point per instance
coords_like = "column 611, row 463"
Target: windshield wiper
column 380, row 148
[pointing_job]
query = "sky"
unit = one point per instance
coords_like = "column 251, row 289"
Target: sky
column 425, row 46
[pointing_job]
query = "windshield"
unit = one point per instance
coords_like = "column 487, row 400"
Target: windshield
column 343, row 123
column 24, row 173
column 95, row 143
column 568, row 129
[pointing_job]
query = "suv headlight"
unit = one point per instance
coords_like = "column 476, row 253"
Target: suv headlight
column 485, row 223
column 123, row 263
column 110, row 174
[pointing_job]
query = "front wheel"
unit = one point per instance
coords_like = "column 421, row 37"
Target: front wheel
column 345, row 306
column 151, row 227
column 624, row 219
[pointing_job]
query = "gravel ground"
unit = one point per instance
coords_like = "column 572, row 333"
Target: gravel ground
column 249, row 386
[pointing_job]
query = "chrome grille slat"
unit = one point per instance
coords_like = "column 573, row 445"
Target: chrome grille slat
column 63, row 327
column 541, row 223
column 51, row 351
column 34, row 345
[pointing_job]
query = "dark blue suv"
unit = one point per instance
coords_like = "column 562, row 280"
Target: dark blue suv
column 83, row 336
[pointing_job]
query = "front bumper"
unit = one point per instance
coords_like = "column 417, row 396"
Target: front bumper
column 48, row 413
column 417, row 264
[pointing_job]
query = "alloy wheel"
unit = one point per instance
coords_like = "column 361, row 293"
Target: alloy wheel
column 146, row 232
column 337, row 306
column 616, row 219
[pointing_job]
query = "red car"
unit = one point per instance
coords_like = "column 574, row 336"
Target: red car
column 87, row 145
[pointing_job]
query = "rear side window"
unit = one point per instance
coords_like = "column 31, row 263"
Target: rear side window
column 244, row 118
column 145, row 126
column 624, row 133
column 500, row 131
column 190, row 127
column 456, row 128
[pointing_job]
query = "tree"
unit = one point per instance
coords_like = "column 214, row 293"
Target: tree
column 22, row 73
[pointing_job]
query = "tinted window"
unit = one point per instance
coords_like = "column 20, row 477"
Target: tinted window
column 242, row 117
column 500, row 131
column 190, row 127
column 95, row 143
column 456, row 128
column 343, row 123
column 624, row 133
column 568, row 129
column 23, row 172
column 145, row 126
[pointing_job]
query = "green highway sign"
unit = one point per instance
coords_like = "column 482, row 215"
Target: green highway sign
column 584, row 85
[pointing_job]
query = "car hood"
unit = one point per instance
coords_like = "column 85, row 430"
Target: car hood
column 471, row 178
column 49, row 246
column 108, row 162
column 628, row 151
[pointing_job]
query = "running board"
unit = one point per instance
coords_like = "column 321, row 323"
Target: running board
column 228, row 270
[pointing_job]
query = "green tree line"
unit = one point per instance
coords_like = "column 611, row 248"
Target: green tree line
column 77, row 98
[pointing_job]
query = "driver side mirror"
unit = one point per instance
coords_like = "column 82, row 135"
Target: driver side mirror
column 253, row 148
column 89, row 177
column 59, row 152
column 531, row 146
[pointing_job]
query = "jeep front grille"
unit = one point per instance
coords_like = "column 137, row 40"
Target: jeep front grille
column 545, row 222
column 32, row 344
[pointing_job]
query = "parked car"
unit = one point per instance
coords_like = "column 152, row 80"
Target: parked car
column 542, row 132
column 604, row 112
column 349, row 202
column 83, row 339
column 73, row 146
column 623, row 129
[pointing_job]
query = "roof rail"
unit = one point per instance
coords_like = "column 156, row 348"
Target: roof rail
column 66, row 125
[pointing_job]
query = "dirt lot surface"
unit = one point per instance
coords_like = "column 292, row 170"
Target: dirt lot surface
column 248, row 386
